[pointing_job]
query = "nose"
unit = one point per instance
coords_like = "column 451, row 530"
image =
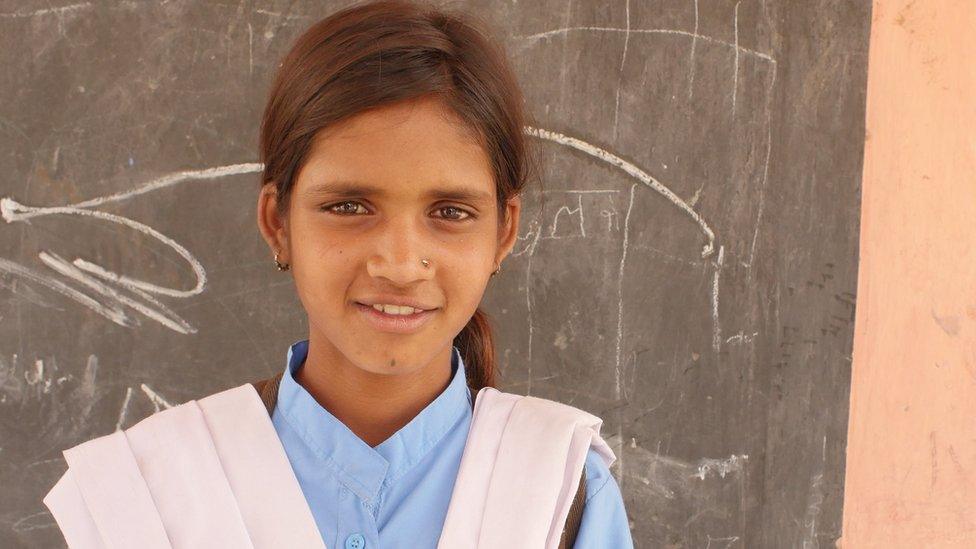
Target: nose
column 399, row 245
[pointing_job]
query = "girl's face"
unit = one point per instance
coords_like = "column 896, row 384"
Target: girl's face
column 378, row 193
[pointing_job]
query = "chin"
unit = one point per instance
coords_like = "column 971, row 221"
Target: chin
column 389, row 364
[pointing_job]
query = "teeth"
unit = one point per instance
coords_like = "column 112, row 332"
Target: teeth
column 396, row 309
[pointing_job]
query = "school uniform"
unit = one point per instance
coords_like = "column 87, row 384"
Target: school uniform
column 396, row 495
column 210, row 473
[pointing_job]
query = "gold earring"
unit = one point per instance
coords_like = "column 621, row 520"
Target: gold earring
column 281, row 267
column 496, row 269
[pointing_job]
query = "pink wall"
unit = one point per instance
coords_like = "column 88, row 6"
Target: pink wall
column 911, row 456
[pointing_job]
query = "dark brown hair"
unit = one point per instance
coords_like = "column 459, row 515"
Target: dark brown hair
column 381, row 52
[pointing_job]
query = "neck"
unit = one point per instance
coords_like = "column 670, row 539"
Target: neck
column 373, row 406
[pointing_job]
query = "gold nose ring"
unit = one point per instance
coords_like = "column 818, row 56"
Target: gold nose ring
column 425, row 263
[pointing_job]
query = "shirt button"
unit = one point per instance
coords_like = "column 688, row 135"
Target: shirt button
column 355, row 541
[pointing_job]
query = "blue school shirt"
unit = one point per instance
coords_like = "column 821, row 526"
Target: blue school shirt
column 396, row 495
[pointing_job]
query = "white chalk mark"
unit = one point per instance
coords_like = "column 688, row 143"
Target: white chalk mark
column 694, row 46
column 580, row 210
column 153, row 185
column 742, row 337
column 34, row 376
column 528, row 306
column 80, row 269
column 697, row 196
column 34, row 521
column 532, row 235
column 162, row 316
column 583, row 191
column 620, row 71
column 281, row 15
column 815, row 500
column 725, row 543
column 634, row 172
column 58, row 460
column 156, row 399
column 716, row 325
column 112, row 313
column 674, row 32
column 565, row 209
column 662, row 477
column 124, row 411
column 617, row 392
column 60, row 10
column 25, row 292
column 250, row 49
column 14, row 211
column 91, row 374
column 519, row 384
column 720, row 467
column 735, row 72
column 762, row 185
column 612, row 215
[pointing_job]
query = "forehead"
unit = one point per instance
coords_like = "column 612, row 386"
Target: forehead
column 408, row 145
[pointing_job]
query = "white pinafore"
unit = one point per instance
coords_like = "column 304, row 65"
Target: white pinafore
column 213, row 473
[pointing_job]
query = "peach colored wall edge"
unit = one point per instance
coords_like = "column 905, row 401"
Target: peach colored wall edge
column 911, row 454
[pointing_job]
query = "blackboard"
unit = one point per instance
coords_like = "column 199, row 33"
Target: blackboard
column 687, row 271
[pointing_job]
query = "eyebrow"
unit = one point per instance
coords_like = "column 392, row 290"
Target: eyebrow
column 352, row 189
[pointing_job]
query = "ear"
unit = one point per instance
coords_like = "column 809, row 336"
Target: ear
column 274, row 228
column 508, row 231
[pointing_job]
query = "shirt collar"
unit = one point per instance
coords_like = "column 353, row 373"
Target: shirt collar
column 361, row 468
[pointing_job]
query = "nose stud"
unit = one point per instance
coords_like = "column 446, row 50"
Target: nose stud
column 425, row 263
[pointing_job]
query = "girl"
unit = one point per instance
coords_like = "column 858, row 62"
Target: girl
column 394, row 161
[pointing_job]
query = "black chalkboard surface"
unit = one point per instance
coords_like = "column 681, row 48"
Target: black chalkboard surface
column 687, row 271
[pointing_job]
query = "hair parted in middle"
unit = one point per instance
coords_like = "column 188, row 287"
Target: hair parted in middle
column 381, row 52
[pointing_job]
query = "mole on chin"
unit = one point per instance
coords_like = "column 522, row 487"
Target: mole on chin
column 392, row 363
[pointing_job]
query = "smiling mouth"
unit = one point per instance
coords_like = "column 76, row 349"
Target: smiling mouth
column 382, row 321
column 394, row 309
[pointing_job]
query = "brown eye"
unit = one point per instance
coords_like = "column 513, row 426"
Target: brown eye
column 343, row 208
column 454, row 213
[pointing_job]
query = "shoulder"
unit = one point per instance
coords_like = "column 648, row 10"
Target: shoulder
column 541, row 405
column 267, row 389
column 598, row 473
column 528, row 410
column 176, row 416
column 599, row 456
column 605, row 522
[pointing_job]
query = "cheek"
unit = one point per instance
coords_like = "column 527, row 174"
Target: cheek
column 465, row 294
column 464, row 273
column 322, row 269
column 474, row 251
column 315, row 245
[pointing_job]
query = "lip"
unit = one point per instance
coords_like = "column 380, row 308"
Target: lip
column 395, row 300
column 396, row 324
